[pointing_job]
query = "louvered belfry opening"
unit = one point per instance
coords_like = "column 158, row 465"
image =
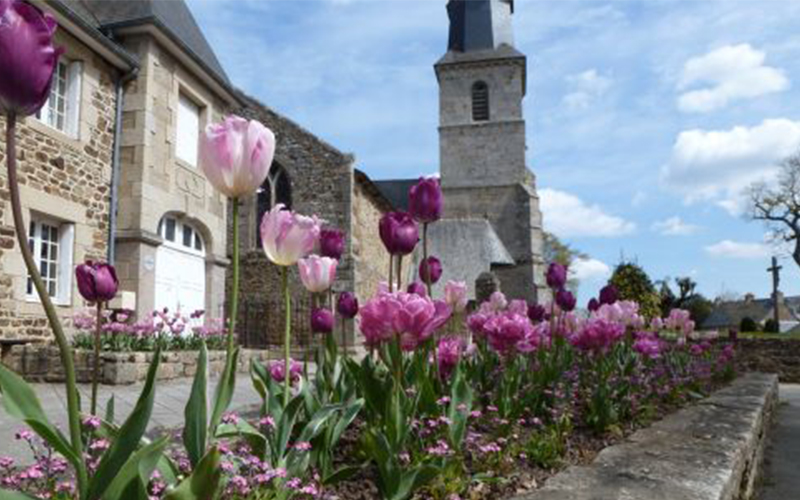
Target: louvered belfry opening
column 480, row 102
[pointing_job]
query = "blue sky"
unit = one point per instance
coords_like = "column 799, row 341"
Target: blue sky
column 645, row 120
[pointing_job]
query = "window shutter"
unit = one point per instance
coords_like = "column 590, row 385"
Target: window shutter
column 73, row 115
column 65, row 261
column 188, row 131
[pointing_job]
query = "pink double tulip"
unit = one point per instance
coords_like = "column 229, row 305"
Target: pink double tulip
column 236, row 155
column 408, row 316
column 288, row 237
column 317, row 273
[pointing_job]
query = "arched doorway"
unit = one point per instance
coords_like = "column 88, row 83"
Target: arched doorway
column 180, row 267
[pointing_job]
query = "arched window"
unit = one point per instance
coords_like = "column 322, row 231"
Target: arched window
column 480, row 101
column 277, row 188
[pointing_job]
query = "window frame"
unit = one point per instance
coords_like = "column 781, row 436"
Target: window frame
column 197, row 243
column 183, row 100
column 63, row 260
column 66, row 88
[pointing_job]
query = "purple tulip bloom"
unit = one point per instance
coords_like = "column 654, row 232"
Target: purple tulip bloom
column 430, row 269
column 417, row 288
column 565, row 300
column 331, row 243
column 347, row 305
column 536, row 313
column 425, row 200
column 97, row 281
column 556, row 276
column 27, row 57
column 609, row 294
column 593, row 305
column 399, row 233
column 321, row 320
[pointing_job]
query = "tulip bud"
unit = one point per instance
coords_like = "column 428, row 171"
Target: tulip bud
column 399, row 233
column 347, row 305
column 455, row 295
column 425, row 200
column 536, row 313
column 593, row 305
column 609, row 294
column 331, row 243
column 556, row 276
column 321, row 320
column 565, row 300
column 27, row 57
column 417, row 288
column 97, row 282
column 430, row 269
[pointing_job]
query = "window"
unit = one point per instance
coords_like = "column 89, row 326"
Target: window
column 480, row 101
column 276, row 189
column 187, row 140
column 181, row 235
column 61, row 111
column 51, row 245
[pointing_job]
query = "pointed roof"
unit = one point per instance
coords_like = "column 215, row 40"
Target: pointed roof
column 479, row 24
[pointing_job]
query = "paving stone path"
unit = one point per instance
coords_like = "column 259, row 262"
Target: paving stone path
column 781, row 478
column 170, row 401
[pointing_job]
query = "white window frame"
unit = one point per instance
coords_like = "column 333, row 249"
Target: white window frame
column 187, row 130
column 66, row 91
column 182, row 228
column 64, row 244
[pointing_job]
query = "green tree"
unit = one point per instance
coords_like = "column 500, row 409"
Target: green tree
column 687, row 298
column 633, row 283
column 557, row 251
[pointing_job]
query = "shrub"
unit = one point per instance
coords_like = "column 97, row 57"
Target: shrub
column 748, row 324
column 632, row 283
column 771, row 326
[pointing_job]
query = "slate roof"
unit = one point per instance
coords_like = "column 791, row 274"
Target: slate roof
column 473, row 25
column 466, row 248
column 731, row 314
column 396, row 191
column 172, row 16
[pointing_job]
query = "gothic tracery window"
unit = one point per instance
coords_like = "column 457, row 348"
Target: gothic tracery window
column 277, row 188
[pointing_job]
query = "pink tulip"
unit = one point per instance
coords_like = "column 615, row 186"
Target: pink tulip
column 27, row 57
column 317, row 273
column 236, row 155
column 288, row 237
column 449, row 352
column 455, row 294
column 411, row 317
column 277, row 370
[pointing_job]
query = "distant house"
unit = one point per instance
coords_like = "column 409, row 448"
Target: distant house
column 729, row 314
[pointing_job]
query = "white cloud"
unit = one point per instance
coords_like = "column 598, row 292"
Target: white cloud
column 674, row 226
column 738, row 250
column 639, row 197
column 732, row 72
column 587, row 87
column 567, row 216
column 589, row 270
column 717, row 165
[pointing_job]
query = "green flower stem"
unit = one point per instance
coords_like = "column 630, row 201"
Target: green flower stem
column 73, row 408
column 399, row 272
column 287, row 337
column 391, row 270
column 97, row 342
column 234, row 307
column 427, row 276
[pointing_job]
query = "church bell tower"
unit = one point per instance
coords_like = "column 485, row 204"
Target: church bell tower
column 482, row 145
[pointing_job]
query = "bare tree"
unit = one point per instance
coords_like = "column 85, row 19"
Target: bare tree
column 779, row 206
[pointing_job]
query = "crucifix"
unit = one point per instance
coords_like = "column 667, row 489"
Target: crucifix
column 776, row 279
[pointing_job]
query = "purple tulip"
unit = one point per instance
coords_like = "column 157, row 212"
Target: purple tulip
column 565, row 300
column 331, row 243
column 593, row 305
column 347, row 305
column 430, row 269
column 536, row 313
column 556, row 276
column 425, row 200
column 399, row 233
column 321, row 320
column 609, row 294
column 97, row 282
column 417, row 288
column 27, row 57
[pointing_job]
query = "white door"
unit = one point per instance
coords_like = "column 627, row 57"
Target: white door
column 180, row 269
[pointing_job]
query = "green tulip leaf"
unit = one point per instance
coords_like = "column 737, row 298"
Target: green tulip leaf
column 196, row 412
column 203, row 483
column 224, row 392
column 132, row 480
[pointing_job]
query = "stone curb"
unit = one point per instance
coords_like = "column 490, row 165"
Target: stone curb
column 712, row 450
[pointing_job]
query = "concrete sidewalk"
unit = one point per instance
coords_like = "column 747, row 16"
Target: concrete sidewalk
column 170, row 401
column 781, row 477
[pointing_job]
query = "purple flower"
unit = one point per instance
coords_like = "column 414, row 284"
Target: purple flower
column 648, row 346
column 27, row 57
column 565, row 300
column 430, row 269
column 331, row 243
column 399, row 233
column 609, row 294
column 97, row 282
column 449, row 352
column 276, row 370
column 593, row 305
column 425, row 200
column 556, row 276
column 409, row 316
column 417, row 288
column 321, row 320
column 347, row 305
column 597, row 335
column 536, row 313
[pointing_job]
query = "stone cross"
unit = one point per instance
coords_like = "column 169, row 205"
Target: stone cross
column 776, row 280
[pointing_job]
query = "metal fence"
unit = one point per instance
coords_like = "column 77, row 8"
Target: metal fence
column 261, row 323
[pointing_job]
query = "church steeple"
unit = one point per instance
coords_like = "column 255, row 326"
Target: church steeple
column 479, row 24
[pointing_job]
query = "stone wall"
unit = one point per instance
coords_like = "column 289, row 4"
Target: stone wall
column 712, row 450
column 65, row 179
column 781, row 356
column 42, row 363
column 369, row 254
